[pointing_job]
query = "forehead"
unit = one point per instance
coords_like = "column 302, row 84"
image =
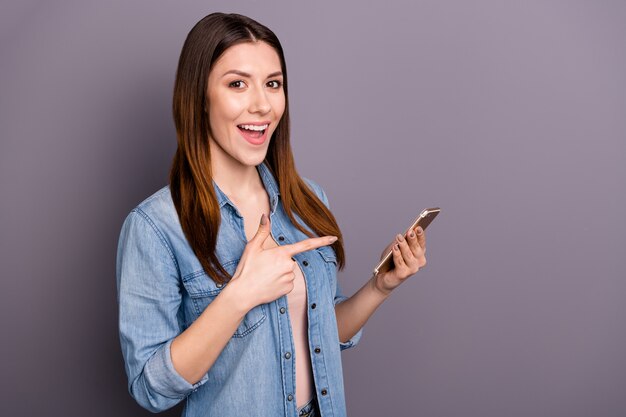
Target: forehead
column 255, row 58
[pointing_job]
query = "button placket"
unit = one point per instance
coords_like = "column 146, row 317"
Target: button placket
column 287, row 365
column 237, row 221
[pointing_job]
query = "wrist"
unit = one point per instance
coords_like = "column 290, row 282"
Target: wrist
column 235, row 297
column 375, row 284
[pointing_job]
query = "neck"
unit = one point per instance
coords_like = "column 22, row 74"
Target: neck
column 235, row 179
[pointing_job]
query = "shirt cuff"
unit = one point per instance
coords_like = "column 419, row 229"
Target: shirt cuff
column 164, row 379
column 354, row 340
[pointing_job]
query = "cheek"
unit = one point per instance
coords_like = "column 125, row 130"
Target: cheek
column 233, row 106
column 224, row 111
column 278, row 104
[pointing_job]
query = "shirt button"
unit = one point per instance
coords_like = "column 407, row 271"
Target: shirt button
column 324, row 392
column 287, row 355
column 281, row 238
column 313, row 306
column 305, row 263
column 318, row 350
column 289, row 397
column 282, row 310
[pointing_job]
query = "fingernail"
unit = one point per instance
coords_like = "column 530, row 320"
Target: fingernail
column 333, row 239
column 419, row 230
column 412, row 234
column 400, row 237
column 263, row 219
column 395, row 247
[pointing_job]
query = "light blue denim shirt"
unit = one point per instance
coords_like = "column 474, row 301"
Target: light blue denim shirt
column 162, row 289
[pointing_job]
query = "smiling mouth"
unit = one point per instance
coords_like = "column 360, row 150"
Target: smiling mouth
column 253, row 131
column 256, row 134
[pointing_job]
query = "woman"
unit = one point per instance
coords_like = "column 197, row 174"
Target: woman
column 239, row 316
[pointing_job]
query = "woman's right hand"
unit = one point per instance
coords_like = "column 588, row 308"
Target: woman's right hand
column 263, row 275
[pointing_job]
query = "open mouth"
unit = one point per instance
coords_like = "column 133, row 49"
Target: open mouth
column 253, row 131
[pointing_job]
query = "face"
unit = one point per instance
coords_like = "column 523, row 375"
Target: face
column 245, row 103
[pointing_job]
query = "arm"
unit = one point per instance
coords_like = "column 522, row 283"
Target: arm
column 353, row 313
column 164, row 363
column 196, row 349
column 408, row 256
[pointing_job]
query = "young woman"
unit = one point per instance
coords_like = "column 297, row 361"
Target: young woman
column 227, row 286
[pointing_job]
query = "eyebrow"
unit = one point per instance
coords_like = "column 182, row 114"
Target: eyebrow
column 245, row 74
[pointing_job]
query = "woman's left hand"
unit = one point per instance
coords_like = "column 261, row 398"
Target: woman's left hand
column 408, row 257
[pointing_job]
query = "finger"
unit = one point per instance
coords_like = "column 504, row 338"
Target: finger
column 405, row 250
column 414, row 245
column 290, row 276
column 398, row 261
column 421, row 237
column 308, row 244
column 262, row 232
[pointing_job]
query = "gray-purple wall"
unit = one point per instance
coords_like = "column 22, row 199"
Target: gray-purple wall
column 511, row 116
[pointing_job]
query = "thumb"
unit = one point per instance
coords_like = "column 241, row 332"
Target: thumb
column 262, row 232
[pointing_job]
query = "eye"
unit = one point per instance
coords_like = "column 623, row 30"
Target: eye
column 237, row 84
column 275, row 84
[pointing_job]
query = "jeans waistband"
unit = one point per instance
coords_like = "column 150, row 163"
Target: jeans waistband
column 307, row 410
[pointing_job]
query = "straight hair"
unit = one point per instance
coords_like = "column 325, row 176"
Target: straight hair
column 191, row 179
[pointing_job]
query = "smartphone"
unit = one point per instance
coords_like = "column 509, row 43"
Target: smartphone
column 423, row 220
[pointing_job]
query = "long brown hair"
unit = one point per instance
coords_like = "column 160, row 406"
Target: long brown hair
column 191, row 180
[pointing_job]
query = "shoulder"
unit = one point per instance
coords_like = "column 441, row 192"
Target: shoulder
column 158, row 204
column 317, row 189
column 157, row 211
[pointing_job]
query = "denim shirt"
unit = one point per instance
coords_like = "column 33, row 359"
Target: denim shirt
column 162, row 289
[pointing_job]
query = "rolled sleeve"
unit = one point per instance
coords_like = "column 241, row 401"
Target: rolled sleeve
column 161, row 376
column 149, row 298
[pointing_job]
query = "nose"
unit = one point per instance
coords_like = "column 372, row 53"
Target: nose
column 259, row 102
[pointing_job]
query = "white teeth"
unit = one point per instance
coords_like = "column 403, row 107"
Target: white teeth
column 253, row 127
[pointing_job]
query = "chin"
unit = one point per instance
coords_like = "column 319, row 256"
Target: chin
column 253, row 160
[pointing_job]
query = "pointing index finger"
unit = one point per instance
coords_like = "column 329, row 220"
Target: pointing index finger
column 308, row 244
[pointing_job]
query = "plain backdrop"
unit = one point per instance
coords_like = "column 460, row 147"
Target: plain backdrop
column 509, row 115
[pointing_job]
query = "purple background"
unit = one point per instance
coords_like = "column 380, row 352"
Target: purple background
column 511, row 116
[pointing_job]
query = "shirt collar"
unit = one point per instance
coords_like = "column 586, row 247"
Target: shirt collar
column 269, row 182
